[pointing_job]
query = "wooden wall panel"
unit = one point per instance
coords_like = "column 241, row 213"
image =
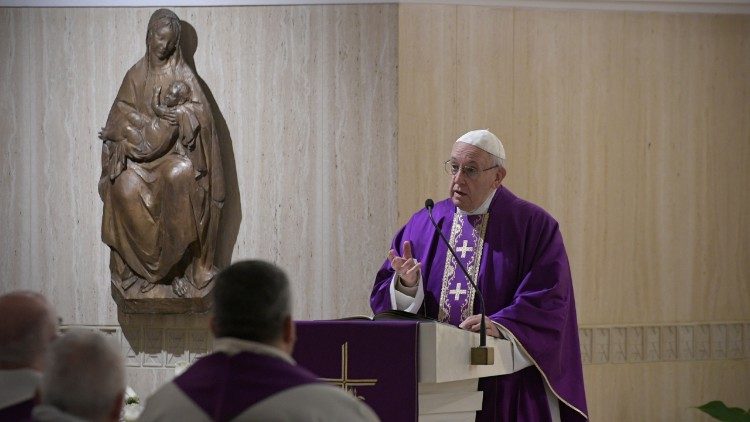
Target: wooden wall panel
column 426, row 102
column 630, row 128
column 568, row 146
column 633, row 130
column 687, row 106
column 665, row 391
column 484, row 74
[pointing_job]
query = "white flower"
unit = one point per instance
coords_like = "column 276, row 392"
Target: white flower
column 132, row 408
column 131, row 396
column 131, row 412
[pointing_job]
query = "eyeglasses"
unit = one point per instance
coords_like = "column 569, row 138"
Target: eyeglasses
column 471, row 172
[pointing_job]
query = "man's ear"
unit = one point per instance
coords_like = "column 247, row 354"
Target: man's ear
column 499, row 176
column 114, row 413
column 290, row 334
column 213, row 326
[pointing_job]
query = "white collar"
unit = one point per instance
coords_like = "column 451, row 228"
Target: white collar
column 232, row 346
column 46, row 412
column 18, row 385
column 482, row 208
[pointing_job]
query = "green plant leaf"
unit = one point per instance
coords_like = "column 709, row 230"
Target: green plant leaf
column 719, row 411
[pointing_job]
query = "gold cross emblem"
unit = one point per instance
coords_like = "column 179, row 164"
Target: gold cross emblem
column 345, row 382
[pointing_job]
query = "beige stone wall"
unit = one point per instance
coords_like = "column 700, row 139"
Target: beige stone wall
column 633, row 130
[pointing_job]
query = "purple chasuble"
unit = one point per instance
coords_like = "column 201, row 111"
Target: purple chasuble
column 19, row 411
column 225, row 386
column 524, row 275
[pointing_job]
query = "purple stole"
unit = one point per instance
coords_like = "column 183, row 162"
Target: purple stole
column 225, row 386
column 457, row 294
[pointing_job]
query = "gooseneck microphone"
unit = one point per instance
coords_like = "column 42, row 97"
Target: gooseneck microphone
column 481, row 355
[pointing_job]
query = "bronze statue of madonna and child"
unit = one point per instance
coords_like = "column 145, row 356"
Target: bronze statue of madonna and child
column 162, row 181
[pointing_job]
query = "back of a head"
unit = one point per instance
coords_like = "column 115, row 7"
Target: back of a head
column 27, row 326
column 251, row 301
column 84, row 376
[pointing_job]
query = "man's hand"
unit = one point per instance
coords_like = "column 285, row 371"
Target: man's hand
column 406, row 267
column 472, row 323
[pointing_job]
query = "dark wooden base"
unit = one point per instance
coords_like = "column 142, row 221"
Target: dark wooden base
column 162, row 300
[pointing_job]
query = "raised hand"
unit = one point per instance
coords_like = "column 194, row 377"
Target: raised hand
column 405, row 266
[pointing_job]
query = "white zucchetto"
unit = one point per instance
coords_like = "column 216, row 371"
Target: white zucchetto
column 485, row 140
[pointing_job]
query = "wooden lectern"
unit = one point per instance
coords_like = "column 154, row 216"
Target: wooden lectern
column 405, row 370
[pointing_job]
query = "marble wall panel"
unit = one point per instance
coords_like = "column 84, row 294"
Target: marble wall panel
column 307, row 102
column 307, row 114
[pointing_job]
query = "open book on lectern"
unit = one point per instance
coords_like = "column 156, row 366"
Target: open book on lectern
column 390, row 315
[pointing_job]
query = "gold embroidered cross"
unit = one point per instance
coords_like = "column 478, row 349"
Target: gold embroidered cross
column 345, row 382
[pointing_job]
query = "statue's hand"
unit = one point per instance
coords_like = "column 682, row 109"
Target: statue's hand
column 105, row 134
column 156, row 102
column 171, row 117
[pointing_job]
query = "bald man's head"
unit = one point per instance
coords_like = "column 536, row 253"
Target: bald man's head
column 27, row 327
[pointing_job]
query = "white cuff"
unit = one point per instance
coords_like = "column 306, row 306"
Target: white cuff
column 402, row 301
column 520, row 360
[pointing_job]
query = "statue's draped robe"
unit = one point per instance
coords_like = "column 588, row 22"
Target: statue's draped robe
column 525, row 277
column 157, row 208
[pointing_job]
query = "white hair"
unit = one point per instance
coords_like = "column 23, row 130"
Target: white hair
column 500, row 162
column 84, row 375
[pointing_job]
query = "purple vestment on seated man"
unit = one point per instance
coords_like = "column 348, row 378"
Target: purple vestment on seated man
column 225, row 386
column 525, row 278
column 18, row 412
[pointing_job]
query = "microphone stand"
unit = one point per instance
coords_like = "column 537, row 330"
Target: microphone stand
column 481, row 355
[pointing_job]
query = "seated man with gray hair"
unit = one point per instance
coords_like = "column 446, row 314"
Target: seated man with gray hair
column 251, row 375
column 84, row 379
column 27, row 325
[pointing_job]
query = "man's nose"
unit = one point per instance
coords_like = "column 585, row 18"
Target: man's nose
column 460, row 176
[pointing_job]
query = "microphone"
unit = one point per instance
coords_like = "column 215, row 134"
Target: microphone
column 481, row 355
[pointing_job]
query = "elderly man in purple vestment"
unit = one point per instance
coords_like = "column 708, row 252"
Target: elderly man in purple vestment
column 251, row 375
column 514, row 251
column 28, row 324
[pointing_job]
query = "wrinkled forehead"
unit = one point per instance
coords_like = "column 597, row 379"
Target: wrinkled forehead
column 464, row 153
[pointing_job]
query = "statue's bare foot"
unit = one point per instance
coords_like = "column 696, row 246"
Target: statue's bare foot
column 146, row 286
column 179, row 286
column 201, row 277
column 128, row 282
